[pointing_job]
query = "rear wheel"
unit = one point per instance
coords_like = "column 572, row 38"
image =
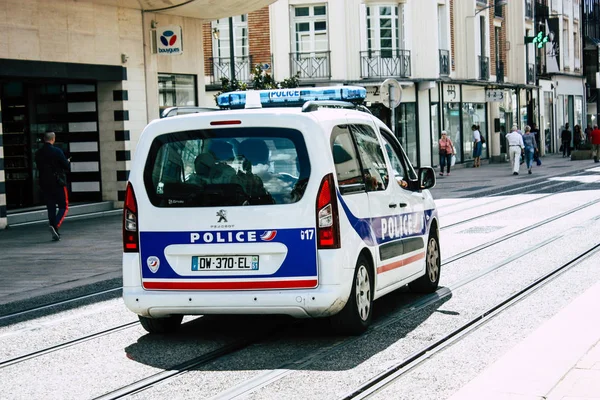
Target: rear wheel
column 356, row 315
column 428, row 283
column 161, row 325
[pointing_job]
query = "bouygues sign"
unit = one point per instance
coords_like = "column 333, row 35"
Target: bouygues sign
column 170, row 41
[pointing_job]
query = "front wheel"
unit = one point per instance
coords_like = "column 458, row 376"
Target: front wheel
column 161, row 325
column 428, row 283
column 356, row 315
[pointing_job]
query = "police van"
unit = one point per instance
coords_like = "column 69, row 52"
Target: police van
column 263, row 208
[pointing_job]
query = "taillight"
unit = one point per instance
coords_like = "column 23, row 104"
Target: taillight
column 328, row 226
column 130, row 222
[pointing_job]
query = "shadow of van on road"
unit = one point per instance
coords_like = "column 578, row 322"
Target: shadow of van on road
column 297, row 344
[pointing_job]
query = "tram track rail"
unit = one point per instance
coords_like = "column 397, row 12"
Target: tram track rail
column 513, row 206
column 64, row 345
column 55, row 304
column 399, row 369
column 530, row 187
column 412, row 308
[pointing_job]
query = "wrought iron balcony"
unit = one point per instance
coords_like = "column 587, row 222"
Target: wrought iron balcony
column 221, row 68
column 444, row 62
column 500, row 72
column 311, row 64
column 484, row 68
column 386, row 63
column 530, row 73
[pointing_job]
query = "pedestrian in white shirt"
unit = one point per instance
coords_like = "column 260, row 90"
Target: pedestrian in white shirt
column 515, row 146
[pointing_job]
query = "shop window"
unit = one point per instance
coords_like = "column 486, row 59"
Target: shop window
column 177, row 90
column 453, row 126
column 406, row 130
column 473, row 114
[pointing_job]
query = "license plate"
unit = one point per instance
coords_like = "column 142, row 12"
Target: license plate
column 225, row 263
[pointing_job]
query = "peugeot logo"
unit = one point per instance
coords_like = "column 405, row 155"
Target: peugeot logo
column 222, row 214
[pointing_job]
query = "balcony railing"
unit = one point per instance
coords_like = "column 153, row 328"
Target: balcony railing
column 444, row 62
column 529, row 9
column 484, row 68
column 311, row 64
column 500, row 72
column 221, row 68
column 378, row 64
column 530, row 73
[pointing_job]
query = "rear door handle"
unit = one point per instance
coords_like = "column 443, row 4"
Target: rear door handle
column 393, row 205
column 402, row 205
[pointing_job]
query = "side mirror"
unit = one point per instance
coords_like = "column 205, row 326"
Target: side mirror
column 426, row 178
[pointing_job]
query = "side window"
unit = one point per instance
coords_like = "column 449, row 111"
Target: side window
column 400, row 165
column 347, row 167
column 375, row 170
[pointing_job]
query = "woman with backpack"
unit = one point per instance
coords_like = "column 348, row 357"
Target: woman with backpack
column 446, row 152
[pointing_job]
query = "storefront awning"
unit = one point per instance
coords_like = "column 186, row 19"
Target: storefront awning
column 202, row 9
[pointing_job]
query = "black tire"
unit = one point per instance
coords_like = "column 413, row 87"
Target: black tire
column 161, row 325
column 428, row 283
column 356, row 315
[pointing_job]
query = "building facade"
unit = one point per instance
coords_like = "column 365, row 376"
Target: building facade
column 559, row 68
column 95, row 74
column 460, row 63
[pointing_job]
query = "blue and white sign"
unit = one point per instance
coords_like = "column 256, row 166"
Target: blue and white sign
column 169, row 40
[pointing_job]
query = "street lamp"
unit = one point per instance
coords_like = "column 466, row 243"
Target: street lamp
column 497, row 3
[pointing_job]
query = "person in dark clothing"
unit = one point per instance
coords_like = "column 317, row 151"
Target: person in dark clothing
column 577, row 139
column 565, row 138
column 52, row 166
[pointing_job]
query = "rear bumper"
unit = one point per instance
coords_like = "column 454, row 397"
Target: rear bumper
column 322, row 301
column 336, row 273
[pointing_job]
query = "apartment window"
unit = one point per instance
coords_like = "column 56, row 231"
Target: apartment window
column 385, row 29
column 576, row 50
column 240, row 37
column 310, row 27
column 176, row 90
column 566, row 55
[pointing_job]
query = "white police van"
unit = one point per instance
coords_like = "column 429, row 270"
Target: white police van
column 312, row 211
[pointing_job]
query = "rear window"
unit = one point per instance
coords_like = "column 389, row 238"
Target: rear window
column 227, row 167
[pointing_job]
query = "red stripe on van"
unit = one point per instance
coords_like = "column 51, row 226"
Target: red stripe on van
column 165, row 285
column 401, row 263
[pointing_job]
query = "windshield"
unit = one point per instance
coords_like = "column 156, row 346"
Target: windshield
column 227, row 167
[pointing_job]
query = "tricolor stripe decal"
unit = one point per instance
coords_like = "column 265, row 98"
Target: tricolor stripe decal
column 400, row 263
column 252, row 285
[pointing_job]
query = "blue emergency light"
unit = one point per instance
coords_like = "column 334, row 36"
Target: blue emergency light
column 294, row 97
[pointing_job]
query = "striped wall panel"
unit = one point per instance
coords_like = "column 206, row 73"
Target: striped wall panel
column 83, row 138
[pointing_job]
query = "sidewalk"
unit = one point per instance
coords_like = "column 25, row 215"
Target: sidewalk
column 466, row 182
column 36, row 270
column 558, row 361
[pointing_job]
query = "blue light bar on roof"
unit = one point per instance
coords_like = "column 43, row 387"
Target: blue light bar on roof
column 294, row 97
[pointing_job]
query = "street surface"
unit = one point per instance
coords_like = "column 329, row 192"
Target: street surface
column 494, row 243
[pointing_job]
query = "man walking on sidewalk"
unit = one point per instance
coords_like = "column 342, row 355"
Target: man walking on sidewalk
column 595, row 141
column 52, row 166
column 515, row 146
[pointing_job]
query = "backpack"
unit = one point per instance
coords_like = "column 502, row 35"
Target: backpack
column 482, row 138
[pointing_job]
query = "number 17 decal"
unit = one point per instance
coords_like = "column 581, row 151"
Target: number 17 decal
column 307, row 234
